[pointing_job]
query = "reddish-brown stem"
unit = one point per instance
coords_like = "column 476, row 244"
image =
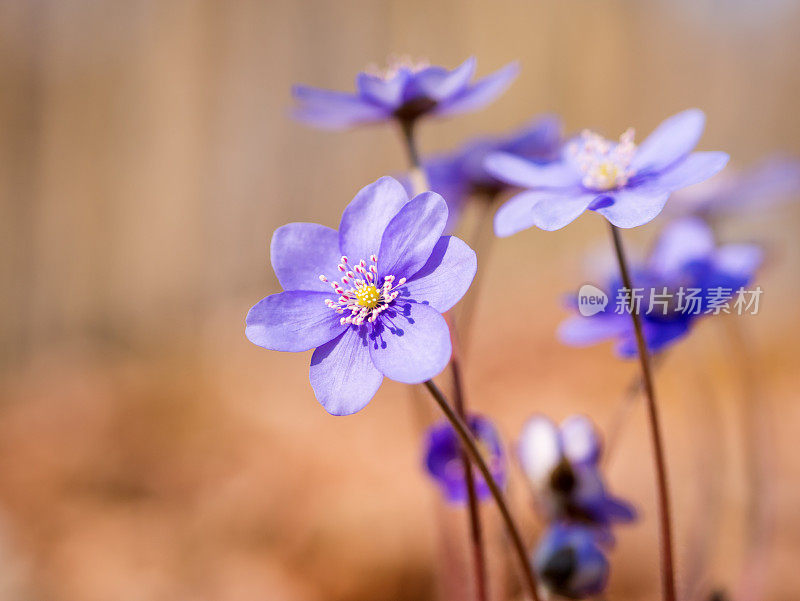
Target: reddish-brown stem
column 420, row 184
column 662, row 492
column 471, row 447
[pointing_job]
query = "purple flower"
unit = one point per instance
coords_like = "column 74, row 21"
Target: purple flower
column 627, row 185
column 404, row 91
column 562, row 465
column 774, row 180
column 685, row 277
column 570, row 562
column 444, row 464
column 460, row 175
column 383, row 317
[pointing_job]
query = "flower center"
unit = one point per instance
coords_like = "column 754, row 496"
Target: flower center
column 368, row 296
column 360, row 297
column 604, row 164
column 396, row 63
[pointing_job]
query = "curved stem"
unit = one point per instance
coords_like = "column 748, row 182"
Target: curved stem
column 468, row 443
column 667, row 563
column 476, row 532
column 420, row 184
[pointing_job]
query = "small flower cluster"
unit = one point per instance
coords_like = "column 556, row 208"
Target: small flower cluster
column 562, row 464
column 370, row 297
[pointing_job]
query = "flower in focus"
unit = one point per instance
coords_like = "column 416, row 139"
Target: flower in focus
column 461, row 175
column 562, row 465
column 369, row 297
column 443, row 458
column 404, row 91
column 570, row 562
column 774, row 180
column 628, row 185
column 685, row 277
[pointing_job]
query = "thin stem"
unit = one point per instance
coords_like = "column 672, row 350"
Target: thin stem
column 468, row 443
column 420, row 184
column 667, row 564
column 419, row 181
column 476, row 533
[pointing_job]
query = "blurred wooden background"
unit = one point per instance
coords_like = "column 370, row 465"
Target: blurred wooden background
column 147, row 450
column 146, row 154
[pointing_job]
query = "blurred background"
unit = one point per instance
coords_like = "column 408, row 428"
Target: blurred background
column 149, row 451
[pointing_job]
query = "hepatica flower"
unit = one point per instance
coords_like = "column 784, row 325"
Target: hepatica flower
column 369, row 297
column 570, row 561
column 562, row 465
column 405, row 91
column 628, row 185
column 461, row 174
column 443, row 458
column 686, row 277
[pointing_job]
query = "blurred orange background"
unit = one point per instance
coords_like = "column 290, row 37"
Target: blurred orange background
column 149, row 451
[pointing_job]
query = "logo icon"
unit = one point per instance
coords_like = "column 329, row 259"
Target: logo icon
column 591, row 300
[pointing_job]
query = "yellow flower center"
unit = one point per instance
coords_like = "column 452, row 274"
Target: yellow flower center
column 605, row 165
column 605, row 175
column 368, row 296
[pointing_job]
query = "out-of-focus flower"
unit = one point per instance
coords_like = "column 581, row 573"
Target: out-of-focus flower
column 685, row 277
column 405, row 91
column 443, row 458
column 562, row 465
column 461, row 174
column 398, row 274
column 570, row 561
column 628, row 185
column 774, row 180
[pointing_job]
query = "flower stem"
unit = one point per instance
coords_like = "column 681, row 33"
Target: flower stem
column 667, row 564
column 419, row 181
column 420, row 184
column 476, row 532
column 469, row 445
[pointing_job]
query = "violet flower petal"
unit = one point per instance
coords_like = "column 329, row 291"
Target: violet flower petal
column 585, row 331
column 481, row 93
column 447, row 275
column 527, row 174
column 695, row 168
column 411, row 235
column 384, row 92
column 342, row 374
column 546, row 209
column 632, row 207
column 367, row 215
column 415, row 349
column 301, row 252
column 292, row 321
column 738, row 260
column 330, row 109
column 680, row 243
column 580, row 440
column 438, row 83
column 675, row 138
